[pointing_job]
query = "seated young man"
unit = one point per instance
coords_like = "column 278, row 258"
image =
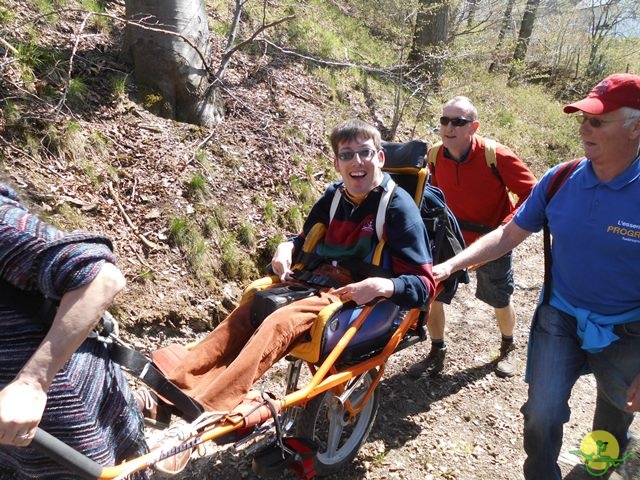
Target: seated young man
column 221, row 369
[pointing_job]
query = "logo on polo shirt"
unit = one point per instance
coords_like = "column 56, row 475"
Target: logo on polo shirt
column 629, row 231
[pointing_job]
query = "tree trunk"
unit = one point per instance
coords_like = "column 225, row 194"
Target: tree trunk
column 167, row 43
column 430, row 38
column 504, row 28
column 526, row 29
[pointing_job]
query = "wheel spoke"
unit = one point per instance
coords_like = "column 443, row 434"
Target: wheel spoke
column 336, row 416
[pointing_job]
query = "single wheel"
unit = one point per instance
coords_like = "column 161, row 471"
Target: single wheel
column 326, row 421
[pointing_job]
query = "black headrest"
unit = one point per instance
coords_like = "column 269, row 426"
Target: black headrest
column 408, row 154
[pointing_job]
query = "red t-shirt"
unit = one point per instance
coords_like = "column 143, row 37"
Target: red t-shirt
column 474, row 193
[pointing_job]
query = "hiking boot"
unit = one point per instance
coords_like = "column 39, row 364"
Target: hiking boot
column 167, row 439
column 630, row 467
column 156, row 413
column 432, row 365
column 507, row 361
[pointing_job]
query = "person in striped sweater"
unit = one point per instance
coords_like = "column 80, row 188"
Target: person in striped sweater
column 51, row 374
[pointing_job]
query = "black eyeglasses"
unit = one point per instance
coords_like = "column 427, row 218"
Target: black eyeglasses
column 595, row 122
column 364, row 154
column 456, row 122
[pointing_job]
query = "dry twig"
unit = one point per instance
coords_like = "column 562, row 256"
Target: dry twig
column 147, row 242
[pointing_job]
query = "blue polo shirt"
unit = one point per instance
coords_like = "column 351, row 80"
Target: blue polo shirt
column 596, row 237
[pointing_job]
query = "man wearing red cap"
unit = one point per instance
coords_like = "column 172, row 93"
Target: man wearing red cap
column 589, row 319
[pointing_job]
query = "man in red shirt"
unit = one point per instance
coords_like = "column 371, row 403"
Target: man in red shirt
column 479, row 196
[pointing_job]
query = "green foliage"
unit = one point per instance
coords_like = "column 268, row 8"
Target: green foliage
column 76, row 91
column 202, row 157
column 153, row 102
column 235, row 264
column 301, row 188
column 247, row 235
column 44, row 7
column 90, row 172
column 269, row 212
column 12, row 113
column 198, row 186
column 118, row 86
column 294, row 219
column 37, row 58
column 184, row 234
column 67, row 141
column 273, row 242
column 70, row 218
column 294, row 132
column 322, row 29
column 146, row 275
column 99, row 21
column 6, row 16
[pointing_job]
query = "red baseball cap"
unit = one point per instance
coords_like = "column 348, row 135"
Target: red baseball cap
column 616, row 91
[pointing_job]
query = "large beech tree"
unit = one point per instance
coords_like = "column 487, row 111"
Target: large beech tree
column 167, row 41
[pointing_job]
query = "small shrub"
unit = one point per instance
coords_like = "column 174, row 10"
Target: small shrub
column 211, row 226
column 294, row 219
column 270, row 213
column 273, row 242
column 76, row 91
column 118, row 86
column 99, row 21
column 184, row 234
column 247, row 235
column 198, row 186
column 146, row 275
column 235, row 264
column 6, row 16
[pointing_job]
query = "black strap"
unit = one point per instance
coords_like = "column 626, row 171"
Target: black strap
column 358, row 269
column 141, row 367
column 557, row 181
column 361, row 270
column 474, row 227
column 315, row 279
column 496, row 172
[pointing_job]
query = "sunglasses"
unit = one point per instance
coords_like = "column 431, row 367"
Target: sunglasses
column 365, row 154
column 456, row 122
column 595, row 122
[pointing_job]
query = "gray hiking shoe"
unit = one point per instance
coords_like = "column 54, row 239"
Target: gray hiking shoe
column 507, row 361
column 432, row 365
column 630, row 467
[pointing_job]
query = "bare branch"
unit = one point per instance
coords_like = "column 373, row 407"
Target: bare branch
column 227, row 54
column 10, row 47
column 69, row 70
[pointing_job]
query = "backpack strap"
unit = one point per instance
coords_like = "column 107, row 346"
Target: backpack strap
column 558, row 179
column 381, row 214
column 432, row 155
column 490, row 147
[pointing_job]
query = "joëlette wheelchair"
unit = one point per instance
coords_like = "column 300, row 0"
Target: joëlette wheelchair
column 321, row 425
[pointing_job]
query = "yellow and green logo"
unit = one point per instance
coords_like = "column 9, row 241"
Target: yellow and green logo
column 600, row 451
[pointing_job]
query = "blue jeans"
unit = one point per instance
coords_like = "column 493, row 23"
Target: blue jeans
column 554, row 364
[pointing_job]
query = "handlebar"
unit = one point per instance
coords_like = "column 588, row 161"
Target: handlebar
column 65, row 455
